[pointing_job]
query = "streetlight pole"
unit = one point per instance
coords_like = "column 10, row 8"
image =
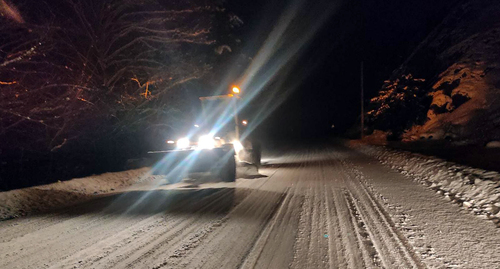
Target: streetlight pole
column 236, row 121
column 362, row 104
column 236, row 91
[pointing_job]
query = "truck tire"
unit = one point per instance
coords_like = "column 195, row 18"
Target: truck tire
column 228, row 171
column 256, row 154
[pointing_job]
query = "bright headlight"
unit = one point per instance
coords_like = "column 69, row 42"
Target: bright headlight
column 206, row 142
column 237, row 146
column 183, row 143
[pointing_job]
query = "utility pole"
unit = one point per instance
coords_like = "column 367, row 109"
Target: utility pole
column 236, row 120
column 362, row 104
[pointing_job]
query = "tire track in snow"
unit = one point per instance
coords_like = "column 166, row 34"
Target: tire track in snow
column 207, row 214
column 353, row 258
column 226, row 244
column 369, row 252
column 393, row 249
column 312, row 212
column 254, row 254
column 142, row 238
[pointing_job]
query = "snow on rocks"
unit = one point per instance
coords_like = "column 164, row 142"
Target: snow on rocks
column 475, row 189
column 493, row 144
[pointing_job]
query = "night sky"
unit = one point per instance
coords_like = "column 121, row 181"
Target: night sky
column 382, row 34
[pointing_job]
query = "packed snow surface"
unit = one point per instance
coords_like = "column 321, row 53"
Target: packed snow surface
column 322, row 207
column 473, row 188
column 19, row 202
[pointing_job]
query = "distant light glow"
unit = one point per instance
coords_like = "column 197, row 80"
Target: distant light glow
column 170, row 142
column 197, row 126
column 217, row 138
column 245, row 122
column 206, row 142
column 236, row 90
column 183, row 143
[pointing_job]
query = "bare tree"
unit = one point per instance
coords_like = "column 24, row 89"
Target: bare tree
column 79, row 70
column 98, row 59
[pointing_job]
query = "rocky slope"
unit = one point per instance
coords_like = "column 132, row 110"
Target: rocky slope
column 459, row 62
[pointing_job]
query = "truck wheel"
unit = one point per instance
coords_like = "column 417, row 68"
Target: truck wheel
column 228, row 172
column 256, row 154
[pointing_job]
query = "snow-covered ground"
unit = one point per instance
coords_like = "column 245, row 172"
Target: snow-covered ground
column 323, row 207
column 16, row 203
column 20, row 202
column 476, row 189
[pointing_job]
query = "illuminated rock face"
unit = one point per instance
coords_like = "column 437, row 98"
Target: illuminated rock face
column 460, row 60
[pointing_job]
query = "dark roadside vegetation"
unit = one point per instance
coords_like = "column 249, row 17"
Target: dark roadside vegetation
column 443, row 99
column 87, row 85
column 79, row 95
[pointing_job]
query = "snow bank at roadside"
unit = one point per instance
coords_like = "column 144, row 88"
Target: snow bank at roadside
column 475, row 189
column 20, row 202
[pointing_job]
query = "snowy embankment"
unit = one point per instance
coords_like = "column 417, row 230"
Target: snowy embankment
column 472, row 188
column 20, row 202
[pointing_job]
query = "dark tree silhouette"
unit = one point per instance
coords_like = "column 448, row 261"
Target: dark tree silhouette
column 401, row 103
column 78, row 74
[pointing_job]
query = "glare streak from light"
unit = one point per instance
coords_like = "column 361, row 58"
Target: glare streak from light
column 276, row 54
column 280, row 49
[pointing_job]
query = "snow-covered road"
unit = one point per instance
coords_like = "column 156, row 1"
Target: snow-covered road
column 322, row 207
